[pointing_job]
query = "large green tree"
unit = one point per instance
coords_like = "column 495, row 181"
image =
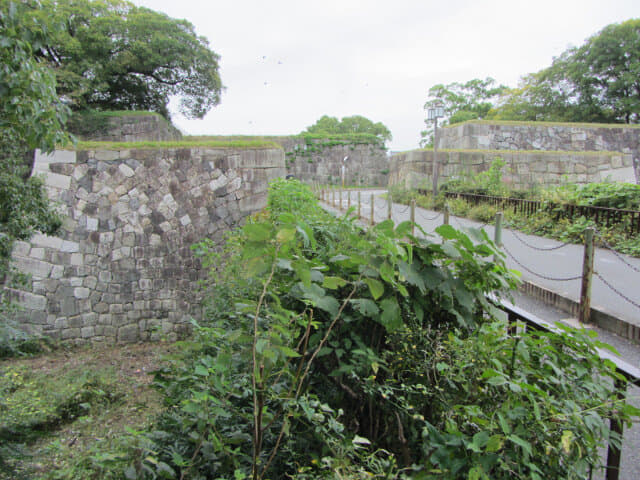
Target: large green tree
column 471, row 100
column 31, row 116
column 354, row 124
column 596, row 82
column 113, row 55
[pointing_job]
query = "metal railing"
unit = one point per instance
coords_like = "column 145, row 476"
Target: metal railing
column 628, row 371
column 603, row 216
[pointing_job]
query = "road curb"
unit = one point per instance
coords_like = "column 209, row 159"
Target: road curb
column 600, row 318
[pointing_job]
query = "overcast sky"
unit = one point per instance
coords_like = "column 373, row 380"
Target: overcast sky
column 285, row 63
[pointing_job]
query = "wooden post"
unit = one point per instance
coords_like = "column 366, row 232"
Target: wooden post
column 584, row 311
column 372, row 209
column 340, row 197
column 348, row 198
column 359, row 208
column 389, row 205
column 446, row 215
column 497, row 234
column 413, row 217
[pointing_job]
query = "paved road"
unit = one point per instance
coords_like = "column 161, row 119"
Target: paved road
column 541, row 262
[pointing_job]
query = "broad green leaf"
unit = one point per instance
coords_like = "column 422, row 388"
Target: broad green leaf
column 526, row 446
column 333, row 283
column 288, row 352
column 495, row 443
column 447, row 232
column 257, row 232
column 201, row 371
column 286, row 235
column 365, row 306
column 376, row 287
column 302, row 271
column 390, row 317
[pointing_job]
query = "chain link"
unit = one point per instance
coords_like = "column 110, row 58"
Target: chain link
column 541, row 249
column 455, row 219
column 620, row 257
column 615, row 290
column 428, row 219
column 405, row 210
column 545, row 277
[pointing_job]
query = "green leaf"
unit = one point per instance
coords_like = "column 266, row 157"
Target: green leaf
column 302, row 271
column 376, row 287
column 567, row 436
column 526, row 446
column 333, row 283
column 390, row 318
column 201, row 371
column 286, row 235
column 257, row 232
column 495, row 443
column 288, row 352
column 365, row 306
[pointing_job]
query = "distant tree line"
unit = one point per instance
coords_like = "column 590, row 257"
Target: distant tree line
column 597, row 82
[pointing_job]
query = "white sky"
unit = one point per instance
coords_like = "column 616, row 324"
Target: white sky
column 285, row 63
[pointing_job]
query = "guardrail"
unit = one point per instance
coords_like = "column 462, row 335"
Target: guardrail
column 602, row 216
column 631, row 373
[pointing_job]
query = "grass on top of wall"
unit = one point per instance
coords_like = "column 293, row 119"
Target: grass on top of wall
column 148, row 145
column 353, row 138
column 515, row 152
column 517, row 123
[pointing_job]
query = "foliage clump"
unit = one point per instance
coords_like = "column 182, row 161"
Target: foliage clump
column 330, row 352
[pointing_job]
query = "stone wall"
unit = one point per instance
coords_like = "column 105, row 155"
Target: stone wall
column 128, row 128
column 322, row 161
column 121, row 268
column 546, row 136
column 523, row 170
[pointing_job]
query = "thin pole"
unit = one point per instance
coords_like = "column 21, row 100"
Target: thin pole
column 348, row 198
column 340, row 196
column 389, row 205
column 358, row 203
column 497, row 233
column 435, row 159
column 372, row 209
column 413, row 217
column 584, row 310
column 446, row 215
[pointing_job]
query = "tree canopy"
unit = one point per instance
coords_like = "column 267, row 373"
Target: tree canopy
column 596, row 82
column 462, row 101
column 31, row 116
column 354, row 124
column 113, row 55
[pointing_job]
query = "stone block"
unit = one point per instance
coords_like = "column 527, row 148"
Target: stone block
column 69, row 246
column 37, row 268
column 128, row 333
column 46, row 241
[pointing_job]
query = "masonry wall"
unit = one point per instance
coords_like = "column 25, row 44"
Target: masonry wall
column 523, row 170
column 122, row 269
column 321, row 162
column 546, row 136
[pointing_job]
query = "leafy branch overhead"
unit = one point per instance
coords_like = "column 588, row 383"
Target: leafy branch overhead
column 113, row 55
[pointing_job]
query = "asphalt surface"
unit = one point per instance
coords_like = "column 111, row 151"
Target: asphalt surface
column 620, row 271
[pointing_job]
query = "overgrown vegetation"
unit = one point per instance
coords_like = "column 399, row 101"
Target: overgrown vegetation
column 329, row 352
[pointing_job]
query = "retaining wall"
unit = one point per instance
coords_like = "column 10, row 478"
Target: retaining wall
column 523, row 170
column 548, row 136
column 122, row 268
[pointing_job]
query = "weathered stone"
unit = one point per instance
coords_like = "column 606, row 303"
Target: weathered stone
column 128, row 333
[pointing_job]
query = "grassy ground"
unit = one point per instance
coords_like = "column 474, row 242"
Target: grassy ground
column 62, row 412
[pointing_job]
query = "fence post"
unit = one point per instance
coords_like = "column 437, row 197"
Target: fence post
column 358, row 203
column 372, row 209
column 389, row 205
column 333, row 197
column 497, row 233
column 348, row 199
column 413, row 217
column 446, row 214
column 584, row 311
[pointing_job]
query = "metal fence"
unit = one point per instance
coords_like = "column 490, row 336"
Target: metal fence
column 602, row 216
